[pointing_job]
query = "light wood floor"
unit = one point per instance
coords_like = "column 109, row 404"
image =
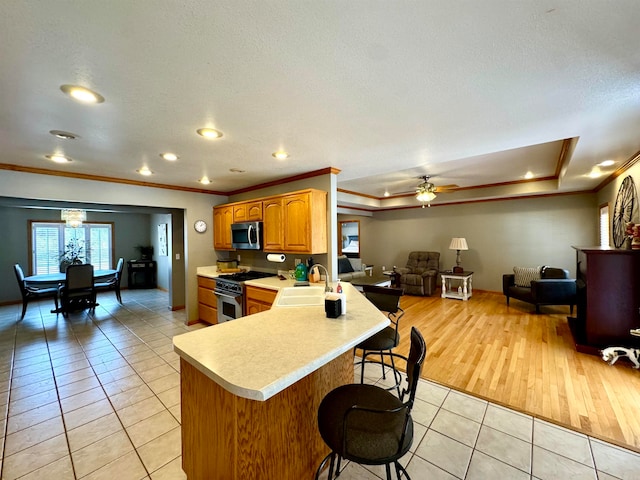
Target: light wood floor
column 515, row 358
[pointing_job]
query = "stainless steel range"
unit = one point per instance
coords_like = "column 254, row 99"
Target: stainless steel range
column 230, row 293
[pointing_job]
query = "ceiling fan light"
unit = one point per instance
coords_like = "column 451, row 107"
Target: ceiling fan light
column 425, row 195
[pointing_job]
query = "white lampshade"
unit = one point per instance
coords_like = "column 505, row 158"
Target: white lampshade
column 458, row 244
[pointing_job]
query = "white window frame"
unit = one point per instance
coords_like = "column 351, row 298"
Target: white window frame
column 100, row 256
column 604, row 225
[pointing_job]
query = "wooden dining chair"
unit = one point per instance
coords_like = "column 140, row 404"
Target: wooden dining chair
column 30, row 293
column 78, row 292
column 112, row 283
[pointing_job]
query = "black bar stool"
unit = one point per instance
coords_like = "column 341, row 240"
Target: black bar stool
column 369, row 425
column 382, row 343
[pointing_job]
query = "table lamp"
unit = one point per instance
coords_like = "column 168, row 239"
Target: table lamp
column 458, row 244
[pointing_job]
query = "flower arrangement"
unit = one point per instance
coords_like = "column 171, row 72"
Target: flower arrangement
column 73, row 254
column 632, row 231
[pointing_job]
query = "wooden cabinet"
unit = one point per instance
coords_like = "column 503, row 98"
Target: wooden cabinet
column 292, row 223
column 247, row 212
column 297, row 223
column 222, row 219
column 258, row 299
column 142, row 274
column 608, row 298
column 272, row 235
column 305, row 222
column 207, row 302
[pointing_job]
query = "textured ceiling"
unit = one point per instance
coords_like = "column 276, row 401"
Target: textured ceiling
column 475, row 92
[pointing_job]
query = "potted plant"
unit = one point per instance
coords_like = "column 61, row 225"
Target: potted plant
column 146, row 252
column 72, row 254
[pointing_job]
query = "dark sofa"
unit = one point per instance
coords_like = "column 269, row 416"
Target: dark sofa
column 553, row 288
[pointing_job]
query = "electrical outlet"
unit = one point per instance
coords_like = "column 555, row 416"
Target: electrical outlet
column 177, row 256
column 297, row 261
column 239, row 258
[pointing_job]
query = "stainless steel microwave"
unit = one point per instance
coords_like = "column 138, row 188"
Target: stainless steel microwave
column 246, row 235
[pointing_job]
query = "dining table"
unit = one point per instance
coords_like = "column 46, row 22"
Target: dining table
column 52, row 279
column 46, row 279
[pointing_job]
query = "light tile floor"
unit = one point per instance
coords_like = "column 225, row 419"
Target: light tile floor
column 97, row 397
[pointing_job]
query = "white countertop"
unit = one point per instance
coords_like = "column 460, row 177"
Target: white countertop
column 260, row 355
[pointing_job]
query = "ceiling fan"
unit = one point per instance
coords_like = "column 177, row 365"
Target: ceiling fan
column 426, row 190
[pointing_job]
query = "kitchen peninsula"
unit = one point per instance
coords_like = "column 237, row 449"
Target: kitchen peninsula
column 250, row 388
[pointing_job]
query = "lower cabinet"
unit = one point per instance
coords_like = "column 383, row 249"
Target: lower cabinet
column 207, row 302
column 258, row 299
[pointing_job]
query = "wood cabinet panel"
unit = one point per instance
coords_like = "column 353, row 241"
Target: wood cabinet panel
column 207, row 301
column 258, row 299
column 254, row 211
column 233, row 438
column 206, row 282
column 222, row 220
column 207, row 297
column 272, row 235
column 297, row 224
column 305, row 222
column 247, row 212
column 208, row 314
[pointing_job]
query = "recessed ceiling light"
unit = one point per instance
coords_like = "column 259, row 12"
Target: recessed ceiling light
column 82, row 94
column 280, row 155
column 58, row 158
column 386, row 193
column 528, row 175
column 63, row 135
column 236, row 170
column 205, row 180
column 144, row 171
column 172, row 157
column 606, row 163
column 209, row 132
column 595, row 173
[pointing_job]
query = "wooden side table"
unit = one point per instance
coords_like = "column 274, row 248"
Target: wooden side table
column 463, row 290
column 395, row 277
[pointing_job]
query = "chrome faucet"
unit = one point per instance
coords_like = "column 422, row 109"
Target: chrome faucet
column 327, row 288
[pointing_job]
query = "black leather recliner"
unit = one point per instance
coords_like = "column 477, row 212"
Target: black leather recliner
column 553, row 288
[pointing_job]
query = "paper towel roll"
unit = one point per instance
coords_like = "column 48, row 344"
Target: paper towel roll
column 276, row 257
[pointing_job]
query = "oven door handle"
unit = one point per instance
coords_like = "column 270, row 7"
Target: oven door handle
column 232, row 297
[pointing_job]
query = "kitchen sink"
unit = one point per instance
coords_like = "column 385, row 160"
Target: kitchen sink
column 300, row 297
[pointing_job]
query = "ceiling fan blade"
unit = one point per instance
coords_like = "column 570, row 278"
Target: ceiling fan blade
column 446, row 188
column 406, row 192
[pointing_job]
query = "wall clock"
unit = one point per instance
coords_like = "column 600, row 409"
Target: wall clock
column 200, row 226
column 623, row 210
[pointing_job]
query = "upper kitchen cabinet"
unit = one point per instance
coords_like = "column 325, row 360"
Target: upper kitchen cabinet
column 272, row 231
column 222, row 220
column 305, row 222
column 247, row 212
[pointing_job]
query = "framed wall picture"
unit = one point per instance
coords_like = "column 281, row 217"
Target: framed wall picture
column 162, row 239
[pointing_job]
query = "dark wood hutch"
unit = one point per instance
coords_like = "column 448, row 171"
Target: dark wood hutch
column 608, row 303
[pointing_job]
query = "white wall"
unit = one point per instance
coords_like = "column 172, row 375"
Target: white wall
column 199, row 247
column 500, row 234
